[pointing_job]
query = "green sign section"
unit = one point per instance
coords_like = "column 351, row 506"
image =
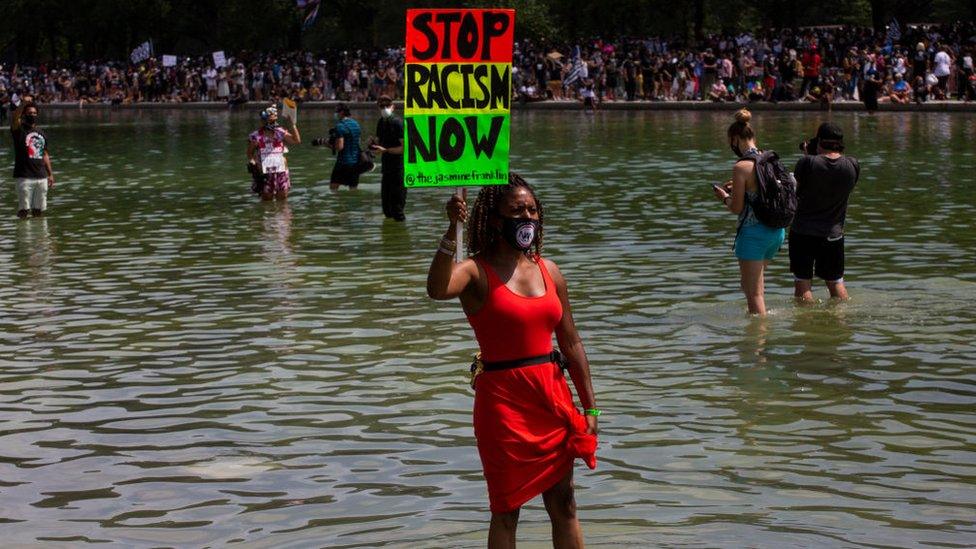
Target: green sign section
column 456, row 150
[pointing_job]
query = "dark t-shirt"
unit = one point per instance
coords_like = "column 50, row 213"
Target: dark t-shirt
column 823, row 187
column 29, row 147
column 389, row 131
column 786, row 69
column 920, row 63
column 710, row 67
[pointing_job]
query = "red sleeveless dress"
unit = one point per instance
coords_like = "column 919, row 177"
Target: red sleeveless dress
column 529, row 431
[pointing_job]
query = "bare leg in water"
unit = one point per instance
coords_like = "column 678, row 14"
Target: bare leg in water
column 501, row 532
column 837, row 290
column 753, row 285
column 561, row 506
column 803, row 290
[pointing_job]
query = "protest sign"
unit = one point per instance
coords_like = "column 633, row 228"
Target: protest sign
column 219, row 59
column 289, row 110
column 141, row 53
column 458, row 91
column 169, row 60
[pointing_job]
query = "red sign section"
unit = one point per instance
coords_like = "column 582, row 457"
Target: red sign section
column 459, row 36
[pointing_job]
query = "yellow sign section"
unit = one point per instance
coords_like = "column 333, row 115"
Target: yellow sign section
column 457, row 88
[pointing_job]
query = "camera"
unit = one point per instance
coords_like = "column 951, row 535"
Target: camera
column 809, row 146
column 258, row 178
column 327, row 141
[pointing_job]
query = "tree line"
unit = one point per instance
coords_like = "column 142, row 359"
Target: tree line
column 32, row 31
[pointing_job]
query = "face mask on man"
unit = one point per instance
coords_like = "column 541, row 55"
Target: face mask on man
column 520, row 233
column 29, row 119
column 387, row 111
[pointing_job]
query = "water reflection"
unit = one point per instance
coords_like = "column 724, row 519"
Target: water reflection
column 36, row 256
column 276, row 241
column 34, row 246
column 394, row 236
column 752, row 343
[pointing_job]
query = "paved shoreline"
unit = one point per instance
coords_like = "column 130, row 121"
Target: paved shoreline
column 931, row 106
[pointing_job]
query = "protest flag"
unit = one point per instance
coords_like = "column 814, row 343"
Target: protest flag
column 311, row 8
column 141, row 53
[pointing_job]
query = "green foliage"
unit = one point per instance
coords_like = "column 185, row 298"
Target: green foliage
column 533, row 18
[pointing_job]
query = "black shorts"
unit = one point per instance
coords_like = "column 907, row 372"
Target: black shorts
column 345, row 174
column 811, row 255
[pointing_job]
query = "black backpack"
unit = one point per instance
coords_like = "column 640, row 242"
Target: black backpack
column 775, row 203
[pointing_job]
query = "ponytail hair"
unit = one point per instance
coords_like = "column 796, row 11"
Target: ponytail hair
column 741, row 127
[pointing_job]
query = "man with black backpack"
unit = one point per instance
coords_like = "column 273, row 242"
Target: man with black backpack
column 824, row 184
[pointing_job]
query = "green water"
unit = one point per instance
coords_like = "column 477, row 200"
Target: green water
column 181, row 365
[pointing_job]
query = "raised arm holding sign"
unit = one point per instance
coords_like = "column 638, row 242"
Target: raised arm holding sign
column 458, row 80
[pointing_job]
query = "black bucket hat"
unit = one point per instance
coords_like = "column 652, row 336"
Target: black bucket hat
column 830, row 137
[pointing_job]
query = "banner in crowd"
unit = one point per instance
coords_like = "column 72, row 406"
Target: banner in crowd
column 457, row 97
column 219, row 59
column 169, row 60
column 142, row 52
column 894, row 32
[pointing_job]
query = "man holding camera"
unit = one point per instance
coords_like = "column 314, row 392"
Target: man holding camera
column 824, row 181
column 389, row 143
column 346, row 147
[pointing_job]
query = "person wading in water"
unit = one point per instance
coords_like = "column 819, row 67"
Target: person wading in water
column 266, row 154
column 529, row 432
column 756, row 244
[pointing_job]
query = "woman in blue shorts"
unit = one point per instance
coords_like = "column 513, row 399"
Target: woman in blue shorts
column 755, row 243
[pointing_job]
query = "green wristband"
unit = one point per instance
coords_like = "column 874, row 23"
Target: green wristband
column 591, row 412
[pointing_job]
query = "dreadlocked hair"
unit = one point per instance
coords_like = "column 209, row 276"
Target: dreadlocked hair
column 481, row 236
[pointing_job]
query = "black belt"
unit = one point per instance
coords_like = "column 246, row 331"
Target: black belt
column 555, row 357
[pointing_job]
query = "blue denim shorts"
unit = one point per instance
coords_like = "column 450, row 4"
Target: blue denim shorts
column 757, row 242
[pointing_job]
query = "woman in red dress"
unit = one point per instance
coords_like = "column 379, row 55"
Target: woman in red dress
column 528, row 429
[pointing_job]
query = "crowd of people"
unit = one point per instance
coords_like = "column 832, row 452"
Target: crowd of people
column 822, row 64
column 344, row 76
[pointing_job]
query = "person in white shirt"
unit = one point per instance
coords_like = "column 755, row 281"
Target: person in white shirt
column 899, row 68
column 943, row 63
column 210, row 77
column 588, row 96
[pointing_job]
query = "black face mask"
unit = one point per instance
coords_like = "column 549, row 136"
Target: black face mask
column 520, row 233
column 29, row 119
